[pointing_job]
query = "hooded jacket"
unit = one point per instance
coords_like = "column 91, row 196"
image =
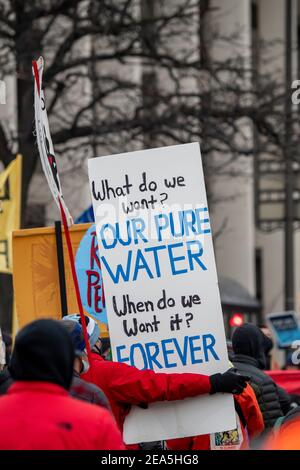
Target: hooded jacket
column 37, row 413
column 79, row 388
column 249, row 357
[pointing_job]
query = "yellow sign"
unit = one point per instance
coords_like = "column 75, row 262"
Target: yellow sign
column 35, row 274
column 10, row 201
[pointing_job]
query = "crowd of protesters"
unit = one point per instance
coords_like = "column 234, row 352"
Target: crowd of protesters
column 53, row 397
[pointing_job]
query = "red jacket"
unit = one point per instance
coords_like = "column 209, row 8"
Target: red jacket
column 125, row 385
column 252, row 415
column 42, row 416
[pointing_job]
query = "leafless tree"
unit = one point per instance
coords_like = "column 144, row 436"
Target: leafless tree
column 180, row 94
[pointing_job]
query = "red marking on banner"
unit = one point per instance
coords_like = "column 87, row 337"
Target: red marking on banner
column 36, row 75
column 94, row 258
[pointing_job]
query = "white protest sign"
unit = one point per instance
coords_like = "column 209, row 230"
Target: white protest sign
column 44, row 141
column 160, row 280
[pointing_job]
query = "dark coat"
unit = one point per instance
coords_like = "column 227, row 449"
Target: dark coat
column 88, row 392
column 249, row 358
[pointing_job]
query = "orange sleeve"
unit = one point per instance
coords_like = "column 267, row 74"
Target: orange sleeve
column 254, row 419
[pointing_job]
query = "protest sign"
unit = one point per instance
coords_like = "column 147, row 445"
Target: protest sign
column 10, row 203
column 48, row 159
column 88, row 268
column 162, row 297
column 285, row 327
column 44, row 141
column 35, row 274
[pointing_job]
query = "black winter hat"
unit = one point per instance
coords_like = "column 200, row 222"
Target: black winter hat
column 248, row 340
column 43, row 352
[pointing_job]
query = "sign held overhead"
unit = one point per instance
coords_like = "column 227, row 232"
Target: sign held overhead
column 162, row 297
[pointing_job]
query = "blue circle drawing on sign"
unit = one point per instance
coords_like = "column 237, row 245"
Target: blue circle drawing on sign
column 89, row 275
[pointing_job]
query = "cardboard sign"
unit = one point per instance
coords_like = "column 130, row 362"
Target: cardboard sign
column 35, row 274
column 10, row 203
column 162, row 297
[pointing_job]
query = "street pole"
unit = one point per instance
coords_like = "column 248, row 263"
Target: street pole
column 289, row 183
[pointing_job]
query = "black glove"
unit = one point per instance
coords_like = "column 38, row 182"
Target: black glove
column 229, row 382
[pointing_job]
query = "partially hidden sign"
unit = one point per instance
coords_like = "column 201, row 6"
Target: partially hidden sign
column 161, row 287
column 36, row 278
column 88, row 268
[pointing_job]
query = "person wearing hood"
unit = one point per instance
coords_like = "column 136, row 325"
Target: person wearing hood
column 80, row 388
column 271, row 362
column 249, row 347
column 37, row 413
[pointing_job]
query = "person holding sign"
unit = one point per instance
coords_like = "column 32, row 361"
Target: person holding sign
column 37, row 413
column 125, row 385
column 248, row 343
column 163, row 303
column 80, row 388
